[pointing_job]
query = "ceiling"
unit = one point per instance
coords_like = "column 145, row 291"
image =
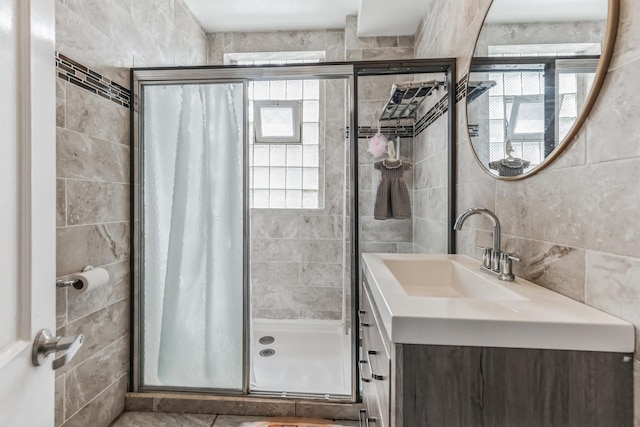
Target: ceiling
column 375, row 17
column 512, row 11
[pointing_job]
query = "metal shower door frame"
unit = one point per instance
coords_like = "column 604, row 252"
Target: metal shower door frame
column 207, row 75
column 350, row 71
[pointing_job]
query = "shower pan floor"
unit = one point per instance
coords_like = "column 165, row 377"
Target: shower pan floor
column 306, row 357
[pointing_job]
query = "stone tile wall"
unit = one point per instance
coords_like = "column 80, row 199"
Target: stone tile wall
column 108, row 37
column 373, row 92
column 298, row 255
column 430, row 167
column 575, row 223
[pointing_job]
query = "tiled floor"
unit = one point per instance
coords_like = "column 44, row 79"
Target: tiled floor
column 158, row 419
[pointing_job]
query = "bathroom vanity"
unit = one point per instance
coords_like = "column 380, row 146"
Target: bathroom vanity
column 444, row 344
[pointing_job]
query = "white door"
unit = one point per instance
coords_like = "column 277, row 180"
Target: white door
column 27, row 208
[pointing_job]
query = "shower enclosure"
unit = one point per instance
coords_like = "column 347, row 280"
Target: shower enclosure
column 242, row 230
column 246, row 227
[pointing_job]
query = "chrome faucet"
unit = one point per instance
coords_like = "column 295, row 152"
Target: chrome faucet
column 494, row 261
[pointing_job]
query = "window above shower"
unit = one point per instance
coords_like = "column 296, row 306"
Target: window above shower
column 286, row 173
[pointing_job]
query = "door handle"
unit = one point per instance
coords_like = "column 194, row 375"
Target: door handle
column 46, row 344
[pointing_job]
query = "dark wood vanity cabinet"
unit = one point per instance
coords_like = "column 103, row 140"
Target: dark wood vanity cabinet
column 413, row 385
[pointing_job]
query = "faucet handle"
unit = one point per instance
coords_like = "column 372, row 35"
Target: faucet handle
column 510, row 257
column 486, row 256
column 506, row 270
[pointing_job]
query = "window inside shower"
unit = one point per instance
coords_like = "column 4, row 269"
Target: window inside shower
column 301, row 340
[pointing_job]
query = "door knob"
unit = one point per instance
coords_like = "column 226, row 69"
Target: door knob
column 46, row 344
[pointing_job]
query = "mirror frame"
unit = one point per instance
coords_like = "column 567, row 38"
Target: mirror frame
column 611, row 32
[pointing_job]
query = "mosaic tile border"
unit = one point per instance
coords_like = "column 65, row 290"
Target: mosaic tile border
column 73, row 72
column 369, row 131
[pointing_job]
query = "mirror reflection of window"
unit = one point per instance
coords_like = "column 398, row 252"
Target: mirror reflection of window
column 524, row 126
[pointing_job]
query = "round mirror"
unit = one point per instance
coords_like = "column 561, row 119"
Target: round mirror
column 535, row 74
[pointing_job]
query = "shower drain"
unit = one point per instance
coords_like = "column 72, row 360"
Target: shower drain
column 266, row 340
column 267, row 352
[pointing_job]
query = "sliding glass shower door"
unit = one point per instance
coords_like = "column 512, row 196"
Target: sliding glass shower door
column 196, row 235
column 192, row 267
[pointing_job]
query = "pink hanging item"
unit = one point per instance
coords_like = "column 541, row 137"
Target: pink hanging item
column 378, row 144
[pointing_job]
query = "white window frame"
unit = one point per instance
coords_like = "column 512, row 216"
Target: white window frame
column 296, row 124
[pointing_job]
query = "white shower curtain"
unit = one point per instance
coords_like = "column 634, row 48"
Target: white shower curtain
column 193, row 235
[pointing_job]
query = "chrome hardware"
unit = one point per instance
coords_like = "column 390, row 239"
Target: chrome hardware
column 362, row 377
column 486, row 212
column 364, row 420
column 373, row 375
column 360, row 316
column 506, row 265
column 486, row 256
column 361, row 420
column 494, row 261
column 76, row 284
column 46, row 344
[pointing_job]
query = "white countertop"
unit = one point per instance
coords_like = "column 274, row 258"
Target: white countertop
column 541, row 319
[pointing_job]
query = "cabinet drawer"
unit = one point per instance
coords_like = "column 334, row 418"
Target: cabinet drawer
column 375, row 362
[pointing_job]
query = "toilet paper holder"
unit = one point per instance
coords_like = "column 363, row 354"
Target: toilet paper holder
column 76, row 284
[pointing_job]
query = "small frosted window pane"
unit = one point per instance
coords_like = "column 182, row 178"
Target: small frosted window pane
column 294, row 198
column 530, row 118
column 496, row 151
column 310, row 178
column 260, row 198
column 530, row 83
column 294, row 178
column 310, row 156
column 532, row 151
column 498, row 89
column 294, row 155
column 278, row 199
column 277, row 178
column 278, row 90
column 309, row 199
column 310, row 111
column 294, row 89
column 513, row 84
column 310, row 133
column 566, row 123
column 496, row 131
column 278, row 155
column 260, row 177
column 277, row 121
column 261, row 155
column 568, row 83
column 261, row 90
column 568, row 107
column 312, row 89
column 496, row 107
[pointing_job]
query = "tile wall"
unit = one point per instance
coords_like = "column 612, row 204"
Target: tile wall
column 97, row 43
column 430, row 156
column 373, row 92
column 299, row 255
column 575, row 223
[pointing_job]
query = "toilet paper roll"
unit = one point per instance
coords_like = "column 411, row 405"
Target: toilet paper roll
column 90, row 279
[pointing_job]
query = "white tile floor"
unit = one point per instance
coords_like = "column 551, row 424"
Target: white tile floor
column 310, row 357
column 158, row 419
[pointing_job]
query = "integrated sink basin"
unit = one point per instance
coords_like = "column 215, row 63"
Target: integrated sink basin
column 444, row 278
column 448, row 300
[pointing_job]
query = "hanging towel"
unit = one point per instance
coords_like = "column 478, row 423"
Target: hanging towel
column 392, row 197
